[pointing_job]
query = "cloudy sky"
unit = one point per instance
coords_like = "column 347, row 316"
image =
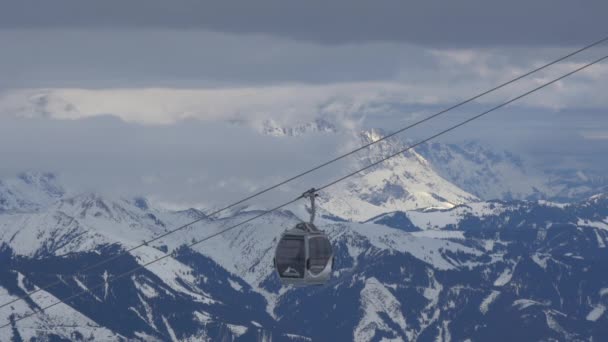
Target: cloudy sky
column 138, row 93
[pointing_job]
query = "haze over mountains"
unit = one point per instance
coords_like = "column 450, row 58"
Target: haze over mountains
column 424, row 252
column 479, row 168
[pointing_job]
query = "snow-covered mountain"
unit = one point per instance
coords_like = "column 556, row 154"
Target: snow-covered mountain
column 485, row 172
column 74, row 233
column 576, row 184
column 478, row 271
column 404, row 182
column 274, row 128
column 491, row 173
column 479, row 170
column 29, row 191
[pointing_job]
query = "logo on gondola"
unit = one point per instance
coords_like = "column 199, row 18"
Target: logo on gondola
column 290, row 272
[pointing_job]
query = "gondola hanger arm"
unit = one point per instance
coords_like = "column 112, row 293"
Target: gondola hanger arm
column 311, row 194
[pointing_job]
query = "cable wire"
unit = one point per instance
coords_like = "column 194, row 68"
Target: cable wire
column 304, row 173
column 143, row 266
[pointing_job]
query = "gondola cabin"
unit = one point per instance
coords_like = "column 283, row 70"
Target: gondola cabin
column 304, row 256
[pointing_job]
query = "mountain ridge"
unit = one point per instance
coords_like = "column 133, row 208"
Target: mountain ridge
column 398, row 281
column 453, row 268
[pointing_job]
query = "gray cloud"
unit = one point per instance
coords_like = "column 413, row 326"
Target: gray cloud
column 205, row 164
column 435, row 22
column 199, row 59
column 132, row 58
column 189, row 163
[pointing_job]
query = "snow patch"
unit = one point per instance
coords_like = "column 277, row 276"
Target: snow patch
column 149, row 312
column 485, row 304
column 237, row 330
column 203, row 317
column 594, row 224
column 540, row 260
column 105, row 285
column 235, row 285
column 143, row 288
column 553, row 204
column 600, row 240
column 376, row 299
column 488, row 245
column 553, row 325
column 596, row 313
column 86, row 289
column 440, row 234
column 504, row 278
column 170, row 330
column 525, row 303
column 297, row 337
column 444, row 332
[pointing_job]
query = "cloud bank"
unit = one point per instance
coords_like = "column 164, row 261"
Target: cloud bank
column 436, row 22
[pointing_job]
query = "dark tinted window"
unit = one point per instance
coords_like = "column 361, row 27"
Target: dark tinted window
column 291, row 257
column 320, row 253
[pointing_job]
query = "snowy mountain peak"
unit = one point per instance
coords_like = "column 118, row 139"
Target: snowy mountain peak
column 387, row 147
column 29, row 191
column 275, row 128
column 373, row 135
column 404, row 182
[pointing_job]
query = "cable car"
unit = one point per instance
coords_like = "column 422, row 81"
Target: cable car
column 304, row 254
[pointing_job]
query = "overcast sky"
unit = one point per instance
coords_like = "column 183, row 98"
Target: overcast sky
column 162, row 75
column 430, row 22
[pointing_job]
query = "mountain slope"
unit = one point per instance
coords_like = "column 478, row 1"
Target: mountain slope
column 498, row 270
column 487, row 173
column 512, row 267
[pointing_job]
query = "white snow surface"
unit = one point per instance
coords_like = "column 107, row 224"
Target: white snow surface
column 595, row 224
column 485, row 304
column 596, row 313
column 441, row 218
column 375, row 299
column 440, row 234
column 504, row 278
column 540, row 260
column 143, row 288
column 525, row 303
